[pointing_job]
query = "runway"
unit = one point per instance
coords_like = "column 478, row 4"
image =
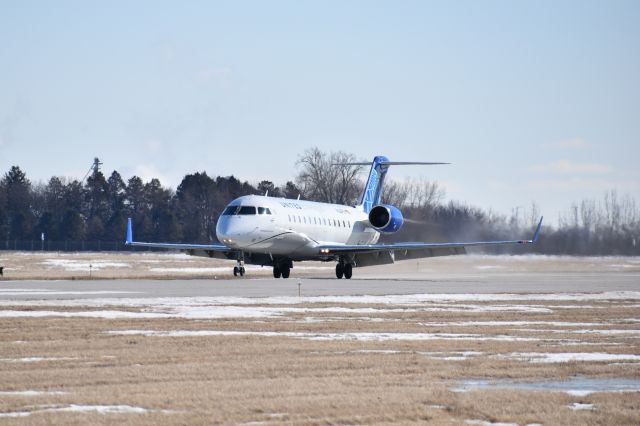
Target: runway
column 569, row 282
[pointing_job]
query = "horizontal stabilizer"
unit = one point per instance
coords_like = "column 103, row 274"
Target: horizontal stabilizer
column 390, row 163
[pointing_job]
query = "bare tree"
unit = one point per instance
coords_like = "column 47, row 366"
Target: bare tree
column 328, row 177
column 419, row 194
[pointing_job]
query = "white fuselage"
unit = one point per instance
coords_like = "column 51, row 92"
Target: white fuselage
column 291, row 228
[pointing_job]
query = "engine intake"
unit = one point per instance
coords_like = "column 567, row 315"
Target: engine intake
column 385, row 218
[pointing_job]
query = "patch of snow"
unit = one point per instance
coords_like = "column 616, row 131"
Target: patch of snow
column 16, row 414
column 75, row 265
column 576, row 386
column 459, row 356
column 363, row 336
column 85, row 314
column 428, row 301
column 77, row 408
column 602, row 332
column 577, row 406
column 308, row 320
column 543, row 357
column 102, row 409
column 486, row 423
column 509, row 323
column 578, row 392
column 36, row 359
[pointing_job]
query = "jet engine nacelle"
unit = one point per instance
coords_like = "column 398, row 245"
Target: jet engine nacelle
column 385, row 218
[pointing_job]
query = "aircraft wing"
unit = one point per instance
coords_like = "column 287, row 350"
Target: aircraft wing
column 207, row 250
column 380, row 254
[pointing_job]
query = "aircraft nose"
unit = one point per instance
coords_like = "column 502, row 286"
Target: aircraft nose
column 230, row 233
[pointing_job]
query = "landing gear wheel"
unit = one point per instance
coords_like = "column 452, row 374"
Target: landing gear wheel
column 339, row 270
column 236, row 271
column 242, row 271
column 276, row 272
column 285, row 272
column 348, row 271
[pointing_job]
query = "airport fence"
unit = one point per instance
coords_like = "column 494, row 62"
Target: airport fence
column 37, row 245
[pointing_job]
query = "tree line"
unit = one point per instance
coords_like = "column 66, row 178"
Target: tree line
column 96, row 209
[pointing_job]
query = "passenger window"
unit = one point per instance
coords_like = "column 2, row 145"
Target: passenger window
column 344, row 223
column 247, row 210
column 289, row 217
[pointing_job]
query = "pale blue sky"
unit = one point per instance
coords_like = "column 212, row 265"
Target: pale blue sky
column 531, row 101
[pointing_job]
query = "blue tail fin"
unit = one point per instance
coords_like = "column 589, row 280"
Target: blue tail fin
column 129, row 239
column 375, row 182
column 373, row 188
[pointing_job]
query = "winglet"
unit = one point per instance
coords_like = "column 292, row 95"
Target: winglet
column 535, row 234
column 129, row 232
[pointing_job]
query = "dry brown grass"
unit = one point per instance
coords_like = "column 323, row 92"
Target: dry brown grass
column 242, row 379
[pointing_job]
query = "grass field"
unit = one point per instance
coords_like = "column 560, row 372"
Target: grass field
column 442, row 359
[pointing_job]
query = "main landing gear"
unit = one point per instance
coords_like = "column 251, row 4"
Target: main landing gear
column 344, row 269
column 282, row 269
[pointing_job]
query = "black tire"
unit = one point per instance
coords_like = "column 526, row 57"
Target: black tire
column 242, row 271
column 348, row 271
column 276, row 272
column 285, row 272
column 235, row 271
column 339, row 271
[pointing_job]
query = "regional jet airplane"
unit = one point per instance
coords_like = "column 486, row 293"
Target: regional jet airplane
column 276, row 232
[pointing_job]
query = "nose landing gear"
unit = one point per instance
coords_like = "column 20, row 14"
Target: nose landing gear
column 239, row 268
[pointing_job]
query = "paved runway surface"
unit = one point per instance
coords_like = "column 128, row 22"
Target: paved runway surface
column 261, row 287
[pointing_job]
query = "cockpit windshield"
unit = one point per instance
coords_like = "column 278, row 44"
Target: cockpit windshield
column 245, row 210
column 230, row 210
